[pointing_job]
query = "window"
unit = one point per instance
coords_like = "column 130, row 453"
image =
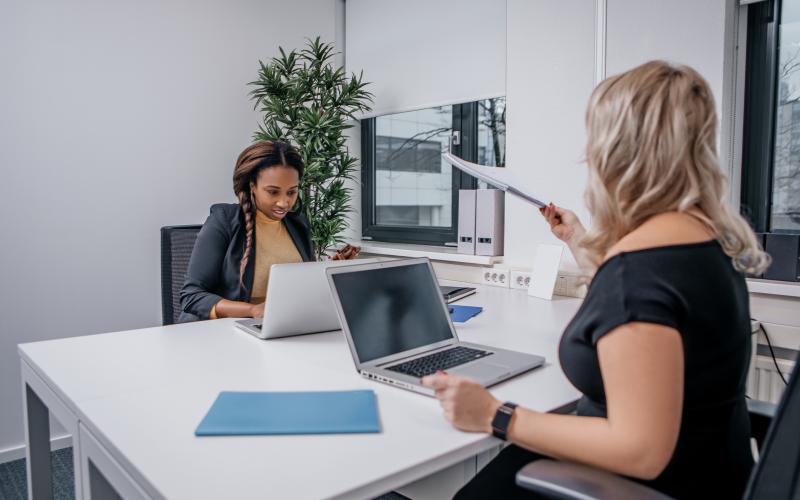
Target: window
column 770, row 195
column 409, row 194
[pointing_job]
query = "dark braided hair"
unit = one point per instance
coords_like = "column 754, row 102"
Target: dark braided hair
column 254, row 159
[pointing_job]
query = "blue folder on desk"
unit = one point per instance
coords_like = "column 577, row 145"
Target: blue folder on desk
column 258, row 413
column 460, row 314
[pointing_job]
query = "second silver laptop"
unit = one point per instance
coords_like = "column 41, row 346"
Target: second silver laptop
column 398, row 328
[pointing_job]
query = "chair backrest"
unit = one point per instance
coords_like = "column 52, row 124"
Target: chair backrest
column 177, row 243
column 777, row 473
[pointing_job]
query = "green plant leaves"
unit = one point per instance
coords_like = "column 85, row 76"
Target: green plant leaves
column 311, row 103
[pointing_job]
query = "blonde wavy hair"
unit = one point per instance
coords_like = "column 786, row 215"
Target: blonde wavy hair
column 651, row 149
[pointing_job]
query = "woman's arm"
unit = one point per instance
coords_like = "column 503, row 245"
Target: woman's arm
column 642, row 370
column 235, row 309
column 204, row 270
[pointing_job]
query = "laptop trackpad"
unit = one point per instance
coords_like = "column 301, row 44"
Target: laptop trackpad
column 482, row 371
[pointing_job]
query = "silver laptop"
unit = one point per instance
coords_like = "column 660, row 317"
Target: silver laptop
column 298, row 301
column 398, row 328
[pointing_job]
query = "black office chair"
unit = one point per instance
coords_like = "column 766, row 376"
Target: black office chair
column 177, row 243
column 776, row 475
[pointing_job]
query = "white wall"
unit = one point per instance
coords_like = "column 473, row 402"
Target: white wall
column 550, row 55
column 550, row 76
column 117, row 118
column 551, row 73
column 642, row 30
column 681, row 31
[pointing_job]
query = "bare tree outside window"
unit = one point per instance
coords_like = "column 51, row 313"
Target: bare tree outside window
column 785, row 215
column 492, row 132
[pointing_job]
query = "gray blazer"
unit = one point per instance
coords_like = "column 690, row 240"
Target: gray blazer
column 213, row 272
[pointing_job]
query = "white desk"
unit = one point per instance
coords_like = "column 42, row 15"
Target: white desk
column 133, row 399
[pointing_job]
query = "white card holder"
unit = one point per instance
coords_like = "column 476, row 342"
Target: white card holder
column 545, row 271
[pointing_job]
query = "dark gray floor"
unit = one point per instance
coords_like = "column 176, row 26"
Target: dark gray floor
column 14, row 484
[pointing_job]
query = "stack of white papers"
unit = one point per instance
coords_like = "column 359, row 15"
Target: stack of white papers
column 500, row 178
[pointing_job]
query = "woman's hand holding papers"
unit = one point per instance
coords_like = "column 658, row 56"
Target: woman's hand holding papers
column 564, row 224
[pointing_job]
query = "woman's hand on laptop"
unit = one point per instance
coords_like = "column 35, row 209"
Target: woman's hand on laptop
column 466, row 404
column 257, row 310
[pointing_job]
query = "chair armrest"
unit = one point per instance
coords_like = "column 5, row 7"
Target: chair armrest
column 761, row 415
column 761, row 408
column 564, row 480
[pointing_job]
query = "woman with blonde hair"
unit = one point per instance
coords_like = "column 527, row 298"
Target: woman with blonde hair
column 661, row 344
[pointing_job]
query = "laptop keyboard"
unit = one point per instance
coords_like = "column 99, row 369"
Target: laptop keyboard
column 441, row 360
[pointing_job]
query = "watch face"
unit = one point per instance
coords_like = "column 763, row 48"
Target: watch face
column 501, row 420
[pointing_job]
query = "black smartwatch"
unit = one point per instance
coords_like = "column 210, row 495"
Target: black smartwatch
column 502, row 418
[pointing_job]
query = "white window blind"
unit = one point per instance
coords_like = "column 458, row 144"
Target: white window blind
column 422, row 53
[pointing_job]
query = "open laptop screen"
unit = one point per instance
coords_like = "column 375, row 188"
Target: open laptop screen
column 392, row 309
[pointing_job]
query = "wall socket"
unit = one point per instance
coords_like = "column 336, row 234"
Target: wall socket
column 495, row 276
column 567, row 284
column 520, row 280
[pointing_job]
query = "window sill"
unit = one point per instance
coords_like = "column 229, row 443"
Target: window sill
column 446, row 254
column 769, row 287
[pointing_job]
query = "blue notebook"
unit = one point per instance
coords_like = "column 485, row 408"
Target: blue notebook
column 256, row 413
column 460, row 314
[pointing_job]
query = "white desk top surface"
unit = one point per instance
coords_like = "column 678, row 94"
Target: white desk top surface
column 143, row 392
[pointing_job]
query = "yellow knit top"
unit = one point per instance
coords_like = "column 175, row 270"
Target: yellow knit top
column 274, row 245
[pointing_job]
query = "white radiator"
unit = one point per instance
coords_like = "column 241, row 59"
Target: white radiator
column 763, row 381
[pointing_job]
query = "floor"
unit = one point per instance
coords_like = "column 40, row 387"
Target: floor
column 14, row 485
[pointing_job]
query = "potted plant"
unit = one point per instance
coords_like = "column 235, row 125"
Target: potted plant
column 310, row 103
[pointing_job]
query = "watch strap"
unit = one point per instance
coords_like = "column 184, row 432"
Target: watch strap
column 502, row 419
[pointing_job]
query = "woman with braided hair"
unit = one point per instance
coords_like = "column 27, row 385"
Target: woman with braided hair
column 228, row 272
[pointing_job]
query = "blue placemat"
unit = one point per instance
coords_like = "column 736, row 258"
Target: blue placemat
column 255, row 413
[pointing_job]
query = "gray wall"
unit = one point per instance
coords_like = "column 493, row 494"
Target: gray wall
column 116, row 118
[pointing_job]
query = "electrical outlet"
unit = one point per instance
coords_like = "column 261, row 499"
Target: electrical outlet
column 520, row 280
column 495, row 277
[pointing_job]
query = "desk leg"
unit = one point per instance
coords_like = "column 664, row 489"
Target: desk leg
column 37, row 437
column 99, row 487
column 103, row 477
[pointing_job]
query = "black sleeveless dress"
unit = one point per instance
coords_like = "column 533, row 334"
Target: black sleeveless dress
column 694, row 289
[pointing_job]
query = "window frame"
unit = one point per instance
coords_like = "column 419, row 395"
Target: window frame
column 465, row 122
column 760, row 100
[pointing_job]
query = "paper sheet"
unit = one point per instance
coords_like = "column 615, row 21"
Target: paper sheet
column 498, row 177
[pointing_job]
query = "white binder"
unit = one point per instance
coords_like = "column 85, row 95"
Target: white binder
column 489, row 218
column 466, row 221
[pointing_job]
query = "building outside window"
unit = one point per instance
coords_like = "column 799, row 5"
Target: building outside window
column 409, row 193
